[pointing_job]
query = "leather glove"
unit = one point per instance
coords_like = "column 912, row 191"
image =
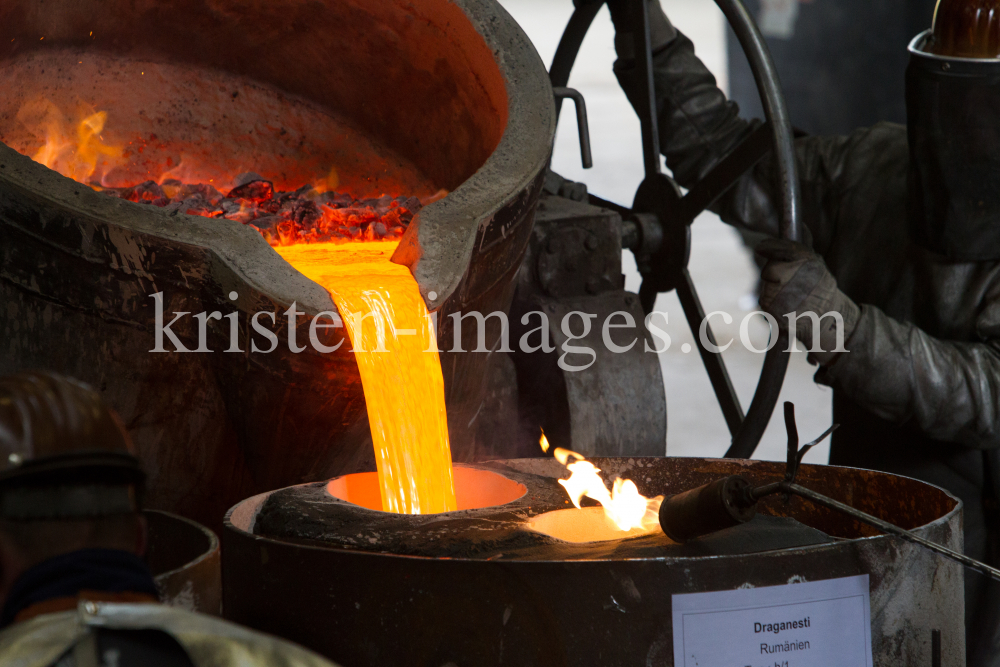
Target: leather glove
column 795, row 280
column 661, row 31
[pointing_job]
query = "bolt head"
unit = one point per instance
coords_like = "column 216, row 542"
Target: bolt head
column 592, row 243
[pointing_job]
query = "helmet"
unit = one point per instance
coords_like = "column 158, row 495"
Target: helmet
column 953, row 119
column 63, row 452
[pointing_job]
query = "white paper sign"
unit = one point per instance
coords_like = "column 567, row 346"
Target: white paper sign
column 819, row 624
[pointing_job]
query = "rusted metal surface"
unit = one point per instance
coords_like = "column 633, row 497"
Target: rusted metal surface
column 362, row 607
column 77, row 268
column 497, row 533
column 184, row 559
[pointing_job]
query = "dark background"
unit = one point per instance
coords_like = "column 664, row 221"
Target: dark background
column 844, row 66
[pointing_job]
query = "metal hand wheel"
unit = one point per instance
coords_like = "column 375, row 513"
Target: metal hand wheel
column 658, row 226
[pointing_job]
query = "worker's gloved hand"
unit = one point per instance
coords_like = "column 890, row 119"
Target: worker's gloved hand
column 661, row 31
column 796, row 280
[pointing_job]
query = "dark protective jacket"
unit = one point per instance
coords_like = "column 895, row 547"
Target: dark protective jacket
column 919, row 392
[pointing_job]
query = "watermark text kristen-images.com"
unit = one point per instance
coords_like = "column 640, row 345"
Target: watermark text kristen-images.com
column 575, row 326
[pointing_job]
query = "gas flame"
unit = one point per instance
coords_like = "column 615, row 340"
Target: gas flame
column 74, row 151
column 623, row 504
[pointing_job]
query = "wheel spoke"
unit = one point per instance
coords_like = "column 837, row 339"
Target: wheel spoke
column 766, row 397
column 723, row 175
column 647, row 94
column 714, row 364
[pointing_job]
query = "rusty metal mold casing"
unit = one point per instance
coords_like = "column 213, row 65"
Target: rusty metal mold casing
column 429, row 94
column 351, row 595
column 184, row 559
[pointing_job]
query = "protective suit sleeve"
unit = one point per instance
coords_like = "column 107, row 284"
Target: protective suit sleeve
column 948, row 390
column 699, row 126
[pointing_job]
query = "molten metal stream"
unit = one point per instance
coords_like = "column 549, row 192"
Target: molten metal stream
column 387, row 321
column 396, row 350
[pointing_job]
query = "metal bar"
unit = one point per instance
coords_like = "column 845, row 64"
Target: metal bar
column 759, row 413
column 594, row 200
column 723, row 175
column 793, row 442
column 714, row 364
column 887, row 527
column 647, row 296
column 646, row 109
column 582, row 126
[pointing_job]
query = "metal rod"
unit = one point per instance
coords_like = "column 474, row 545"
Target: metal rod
column 714, row 363
column 884, row 526
column 566, row 53
column 759, row 413
column 792, row 431
column 582, row 126
column 646, row 108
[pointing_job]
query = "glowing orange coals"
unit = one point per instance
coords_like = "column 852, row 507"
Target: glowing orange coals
column 396, row 350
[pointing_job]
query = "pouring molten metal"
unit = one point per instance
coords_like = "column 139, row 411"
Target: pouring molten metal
column 397, row 354
column 343, row 244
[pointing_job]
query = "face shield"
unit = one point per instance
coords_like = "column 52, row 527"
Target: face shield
column 953, row 118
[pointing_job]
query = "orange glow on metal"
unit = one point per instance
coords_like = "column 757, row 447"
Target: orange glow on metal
column 396, row 350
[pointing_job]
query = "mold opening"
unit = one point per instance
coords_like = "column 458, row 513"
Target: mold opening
column 588, row 524
column 474, row 489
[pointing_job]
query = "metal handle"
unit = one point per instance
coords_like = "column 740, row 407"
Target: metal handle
column 582, row 125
